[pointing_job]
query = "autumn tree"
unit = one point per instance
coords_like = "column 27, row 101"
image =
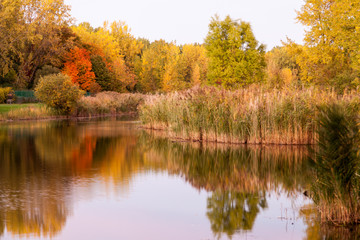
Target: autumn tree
column 78, row 66
column 281, row 67
column 111, row 71
column 98, row 42
column 235, row 56
column 332, row 42
column 129, row 46
column 186, row 67
column 45, row 36
column 193, row 64
column 157, row 60
column 12, row 33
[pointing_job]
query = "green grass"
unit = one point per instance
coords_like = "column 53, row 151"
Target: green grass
column 26, row 112
column 4, row 108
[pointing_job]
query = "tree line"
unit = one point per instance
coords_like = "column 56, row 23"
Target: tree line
column 39, row 38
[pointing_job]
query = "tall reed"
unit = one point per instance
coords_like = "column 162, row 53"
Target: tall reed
column 336, row 189
column 253, row 115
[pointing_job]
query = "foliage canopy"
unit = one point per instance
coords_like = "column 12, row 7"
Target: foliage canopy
column 235, row 56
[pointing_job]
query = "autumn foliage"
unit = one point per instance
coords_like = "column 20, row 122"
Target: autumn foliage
column 78, row 67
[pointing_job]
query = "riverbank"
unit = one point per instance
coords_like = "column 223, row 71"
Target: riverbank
column 244, row 116
column 102, row 105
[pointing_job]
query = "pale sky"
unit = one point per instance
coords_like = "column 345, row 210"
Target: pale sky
column 187, row 21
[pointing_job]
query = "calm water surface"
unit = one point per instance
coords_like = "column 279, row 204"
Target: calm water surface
column 110, row 180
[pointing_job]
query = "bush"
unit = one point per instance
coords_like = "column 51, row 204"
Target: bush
column 4, row 93
column 58, row 92
column 44, row 71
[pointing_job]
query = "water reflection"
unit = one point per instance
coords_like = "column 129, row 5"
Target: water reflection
column 231, row 212
column 42, row 162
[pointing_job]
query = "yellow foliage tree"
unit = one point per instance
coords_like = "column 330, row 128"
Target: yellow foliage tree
column 101, row 42
column 193, row 64
column 129, row 46
column 332, row 42
column 158, row 59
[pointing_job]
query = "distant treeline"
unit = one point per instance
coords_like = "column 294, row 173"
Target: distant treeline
column 38, row 38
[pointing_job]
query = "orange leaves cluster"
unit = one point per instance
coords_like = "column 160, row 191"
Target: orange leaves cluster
column 78, row 67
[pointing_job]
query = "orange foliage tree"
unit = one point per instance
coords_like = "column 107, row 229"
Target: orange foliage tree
column 78, row 67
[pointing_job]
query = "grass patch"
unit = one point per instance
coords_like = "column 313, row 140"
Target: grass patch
column 4, row 108
column 27, row 112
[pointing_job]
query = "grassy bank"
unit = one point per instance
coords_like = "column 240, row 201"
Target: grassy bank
column 26, row 112
column 4, row 108
column 254, row 115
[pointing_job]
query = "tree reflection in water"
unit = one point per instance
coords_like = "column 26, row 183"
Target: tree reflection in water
column 229, row 212
column 40, row 163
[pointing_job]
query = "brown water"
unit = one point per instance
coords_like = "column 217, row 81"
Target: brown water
column 110, row 180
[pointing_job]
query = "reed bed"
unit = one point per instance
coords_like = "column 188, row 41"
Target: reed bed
column 105, row 103
column 253, row 115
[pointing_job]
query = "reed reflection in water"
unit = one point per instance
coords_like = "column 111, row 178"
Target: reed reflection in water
column 46, row 167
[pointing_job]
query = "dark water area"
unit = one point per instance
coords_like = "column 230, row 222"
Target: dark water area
column 108, row 179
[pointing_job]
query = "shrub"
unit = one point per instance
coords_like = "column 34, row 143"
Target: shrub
column 44, row 71
column 4, row 93
column 58, row 92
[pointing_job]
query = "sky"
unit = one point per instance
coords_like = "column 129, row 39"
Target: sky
column 187, row 21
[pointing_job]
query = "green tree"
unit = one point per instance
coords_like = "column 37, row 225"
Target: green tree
column 235, row 56
column 102, row 73
column 44, row 71
column 230, row 212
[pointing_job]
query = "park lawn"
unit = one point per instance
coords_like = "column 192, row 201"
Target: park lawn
column 4, row 108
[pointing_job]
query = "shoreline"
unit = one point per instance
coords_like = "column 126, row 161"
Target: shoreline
column 170, row 135
column 62, row 117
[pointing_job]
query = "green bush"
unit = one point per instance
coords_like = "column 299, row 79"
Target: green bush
column 58, row 92
column 4, row 93
column 44, row 71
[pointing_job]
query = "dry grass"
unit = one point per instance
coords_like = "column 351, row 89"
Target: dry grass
column 252, row 115
column 109, row 103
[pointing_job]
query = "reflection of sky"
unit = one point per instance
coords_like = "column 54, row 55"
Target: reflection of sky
column 159, row 206
column 278, row 219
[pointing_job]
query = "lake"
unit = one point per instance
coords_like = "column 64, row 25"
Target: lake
column 109, row 179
